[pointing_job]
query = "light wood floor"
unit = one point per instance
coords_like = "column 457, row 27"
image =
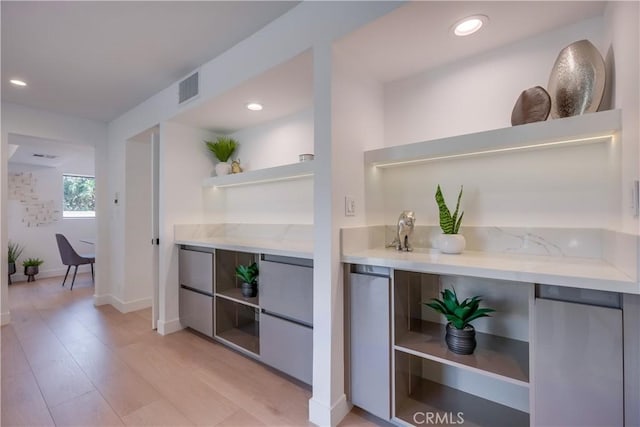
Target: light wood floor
column 66, row 362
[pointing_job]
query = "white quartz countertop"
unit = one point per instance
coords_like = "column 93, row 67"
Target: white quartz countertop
column 584, row 273
column 290, row 248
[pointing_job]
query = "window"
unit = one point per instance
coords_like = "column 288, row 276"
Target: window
column 79, row 199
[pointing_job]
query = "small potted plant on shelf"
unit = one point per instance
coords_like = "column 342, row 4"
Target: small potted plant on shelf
column 15, row 250
column 223, row 148
column 31, row 268
column 460, row 336
column 249, row 276
column 450, row 242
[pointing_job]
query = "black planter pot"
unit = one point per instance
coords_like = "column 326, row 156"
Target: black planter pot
column 461, row 341
column 30, row 272
column 249, row 290
column 12, row 270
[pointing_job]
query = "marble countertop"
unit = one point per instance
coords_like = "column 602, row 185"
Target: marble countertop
column 296, row 249
column 587, row 273
column 272, row 239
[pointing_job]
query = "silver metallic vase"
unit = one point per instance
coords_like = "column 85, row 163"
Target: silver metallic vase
column 577, row 80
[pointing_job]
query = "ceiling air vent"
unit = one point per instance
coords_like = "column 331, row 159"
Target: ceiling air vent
column 188, row 88
column 45, row 156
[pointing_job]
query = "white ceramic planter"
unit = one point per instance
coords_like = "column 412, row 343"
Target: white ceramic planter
column 223, row 168
column 451, row 243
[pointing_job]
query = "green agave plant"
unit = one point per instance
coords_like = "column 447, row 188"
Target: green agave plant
column 460, row 314
column 248, row 273
column 222, row 148
column 450, row 224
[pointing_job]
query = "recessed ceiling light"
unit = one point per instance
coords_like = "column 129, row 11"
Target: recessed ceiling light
column 17, row 82
column 469, row 25
column 254, row 106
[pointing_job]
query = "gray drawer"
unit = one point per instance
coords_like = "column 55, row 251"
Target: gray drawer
column 196, row 270
column 196, row 311
column 287, row 346
column 287, row 290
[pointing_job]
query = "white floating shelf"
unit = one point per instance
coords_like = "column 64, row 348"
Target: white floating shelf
column 587, row 128
column 278, row 173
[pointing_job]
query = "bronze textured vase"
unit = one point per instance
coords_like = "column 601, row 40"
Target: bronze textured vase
column 577, row 80
column 461, row 341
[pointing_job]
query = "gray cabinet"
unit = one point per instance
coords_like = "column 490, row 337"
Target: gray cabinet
column 286, row 288
column 287, row 346
column 370, row 343
column 196, row 269
column 196, row 311
column 286, row 300
column 578, row 360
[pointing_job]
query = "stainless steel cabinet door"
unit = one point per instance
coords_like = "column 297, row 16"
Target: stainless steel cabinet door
column 196, row 311
column 578, row 378
column 287, row 346
column 287, row 290
column 370, row 339
column 196, row 270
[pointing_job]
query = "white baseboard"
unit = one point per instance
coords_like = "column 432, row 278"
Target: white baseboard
column 5, row 318
column 44, row 274
column 122, row 306
column 129, row 306
column 322, row 415
column 99, row 300
column 169, row 327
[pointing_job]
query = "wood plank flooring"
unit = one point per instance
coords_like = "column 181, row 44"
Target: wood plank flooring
column 68, row 363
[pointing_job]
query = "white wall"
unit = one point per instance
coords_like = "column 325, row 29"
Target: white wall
column 40, row 241
column 139, row 251
column 275, row 143
column 622, row 47
column 477, row 93
column 286, row 202
column 184, row 162
column 560, row 187
column 28, row 121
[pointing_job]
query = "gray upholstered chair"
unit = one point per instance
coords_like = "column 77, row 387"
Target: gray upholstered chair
column 71, row 258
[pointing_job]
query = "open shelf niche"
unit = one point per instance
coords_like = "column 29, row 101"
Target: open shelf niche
column 237, row 318
column 491, row 385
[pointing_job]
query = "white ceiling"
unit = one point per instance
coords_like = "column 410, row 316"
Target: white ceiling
column 56, row 152
column 72, row 53
column 423, row 31
column 97, row 60
column 373, row 50
column 282, row 90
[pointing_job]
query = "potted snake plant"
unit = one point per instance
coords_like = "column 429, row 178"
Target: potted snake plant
column 249, row 276
column 461, row 335
column 450, row 242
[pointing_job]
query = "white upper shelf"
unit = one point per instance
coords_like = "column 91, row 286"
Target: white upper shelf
column 278, row 173
column 594, row 127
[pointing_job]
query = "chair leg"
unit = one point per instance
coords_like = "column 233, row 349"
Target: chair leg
column 65, row 275
column 92, row 276
column 74, row 277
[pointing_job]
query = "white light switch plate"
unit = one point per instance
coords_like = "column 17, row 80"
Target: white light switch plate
column 349, row 206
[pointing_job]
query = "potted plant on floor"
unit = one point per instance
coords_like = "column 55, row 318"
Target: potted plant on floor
column 249, row 276
column 15, row 250
column 31, row 268
column 223, row 148
column 460, row 336
column 450, row 242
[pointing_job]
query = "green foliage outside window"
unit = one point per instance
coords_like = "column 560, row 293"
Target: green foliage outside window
column 79, row 193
